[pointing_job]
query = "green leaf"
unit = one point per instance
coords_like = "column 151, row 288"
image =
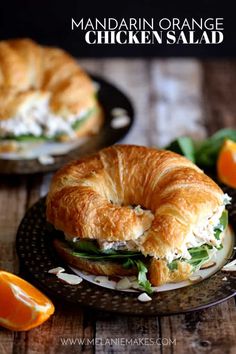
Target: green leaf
column 223, row 223
column 129, row 263
column 87, row 246
column 142, row 277
column 203, row 153
column 184, row 146
column 199, row 255
column 142, row 271
column 103, row 256
column 173, row 265
column 77, row 124
column 89, row 249
column 226, row 133
column 217, row 234
column 27, row 138
column 224, row 219
column 207, row 152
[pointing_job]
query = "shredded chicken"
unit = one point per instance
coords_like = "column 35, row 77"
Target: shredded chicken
column 37, row 119
column 201, row 234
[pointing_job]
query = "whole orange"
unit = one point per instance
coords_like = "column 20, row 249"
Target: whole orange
column 226, row 163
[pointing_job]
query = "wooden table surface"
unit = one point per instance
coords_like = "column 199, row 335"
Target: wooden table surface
column 172, row 97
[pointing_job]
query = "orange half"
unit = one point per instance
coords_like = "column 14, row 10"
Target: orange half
column 22, row 306
column 226, row 163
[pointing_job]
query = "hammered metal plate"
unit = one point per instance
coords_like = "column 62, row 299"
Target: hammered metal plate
column 109, row 97
column 37, row 256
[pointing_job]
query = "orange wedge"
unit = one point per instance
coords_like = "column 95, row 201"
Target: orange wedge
column 22, row 306
column 226, row 163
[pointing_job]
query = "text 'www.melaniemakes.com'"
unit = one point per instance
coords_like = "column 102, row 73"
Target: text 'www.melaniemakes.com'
column 118, row 341
column 150, row 31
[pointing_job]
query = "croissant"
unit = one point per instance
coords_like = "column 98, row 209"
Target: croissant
column 156, row 202
column 44, row 92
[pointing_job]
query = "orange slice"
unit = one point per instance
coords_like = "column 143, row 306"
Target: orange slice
column 22, row 306
column 226, row 163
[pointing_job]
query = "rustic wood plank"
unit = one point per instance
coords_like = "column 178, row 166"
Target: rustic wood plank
column 38, row 186
column 132, row 76
column 175, row 100
column 65, row 332
column 6, row 341
column 14, row 201
column 13, row 197
column 208, row 331
column 219, row 94
column 121, row 334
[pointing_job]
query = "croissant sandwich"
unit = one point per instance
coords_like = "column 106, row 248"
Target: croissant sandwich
column 44, row 94
column 136, row 210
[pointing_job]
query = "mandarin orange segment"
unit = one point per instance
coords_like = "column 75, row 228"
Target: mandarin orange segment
column 22, row 306
column 226, row 163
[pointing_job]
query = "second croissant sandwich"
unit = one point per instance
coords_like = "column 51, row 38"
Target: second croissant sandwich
column 136, row 210
column 44, row 94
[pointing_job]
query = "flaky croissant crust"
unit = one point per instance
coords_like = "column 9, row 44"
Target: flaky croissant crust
column 90, row 198
column 28, row 70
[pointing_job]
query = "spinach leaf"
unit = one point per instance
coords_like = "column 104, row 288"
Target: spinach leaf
column 87, row 246
column 223, row 223
column 173, row 265
column 27, row 138
column 142, row 277
column 199, row 255
column 203, row 153
column 77, row 124
column 226, row 133
column 183, row 146
column 129, row 263
column 90, row 250
column 207, row 153
column 104, row 256
column 142, row 271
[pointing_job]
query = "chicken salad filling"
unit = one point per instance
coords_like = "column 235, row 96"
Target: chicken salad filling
column 36, row 121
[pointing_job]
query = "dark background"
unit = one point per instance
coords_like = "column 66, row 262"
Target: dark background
column 49, row 22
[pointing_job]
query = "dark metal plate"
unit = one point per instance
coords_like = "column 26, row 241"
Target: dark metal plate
column 34, row 247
